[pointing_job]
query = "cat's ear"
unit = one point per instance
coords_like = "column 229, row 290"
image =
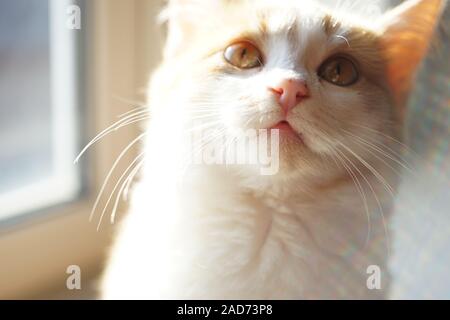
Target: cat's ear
column 407, row 32
column 184, row 18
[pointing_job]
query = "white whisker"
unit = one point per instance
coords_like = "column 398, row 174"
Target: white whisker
column 116, row 186
column 357, row 184
column 119, row 158
column 126, row 183
column 102, row 134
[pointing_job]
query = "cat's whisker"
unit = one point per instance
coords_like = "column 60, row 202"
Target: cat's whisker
column 137, row 113
column 410, row 171
column 125, row 184
column 356, row 182
column 395, row 170
column 343, row 38
column 390, row 153
column 380, row 178
column 131, row 179
column 101, row 135
column 376, row 199
column 401, row 144
column 108, row 176
column 367, row 146
column 135, row 110
column 116, row 186
column 362, row 193
column 132, row 121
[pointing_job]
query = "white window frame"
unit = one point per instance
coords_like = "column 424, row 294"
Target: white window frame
column 64, row 183
column 121, row 48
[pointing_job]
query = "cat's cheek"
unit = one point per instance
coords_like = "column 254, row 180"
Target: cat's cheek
column 235, row 121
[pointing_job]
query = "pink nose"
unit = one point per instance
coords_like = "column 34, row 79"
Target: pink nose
column 289, row 93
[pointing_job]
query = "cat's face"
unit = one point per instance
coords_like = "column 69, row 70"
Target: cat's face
column 324, row 81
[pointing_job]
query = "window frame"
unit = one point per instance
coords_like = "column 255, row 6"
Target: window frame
column 64, row 183
column 37, row 248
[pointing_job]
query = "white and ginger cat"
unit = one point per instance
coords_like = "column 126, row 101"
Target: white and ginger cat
column 335, row 86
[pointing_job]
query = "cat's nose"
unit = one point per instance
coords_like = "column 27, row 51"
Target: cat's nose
column 290, row 92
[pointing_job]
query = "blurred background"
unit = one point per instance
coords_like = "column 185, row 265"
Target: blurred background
column 60, row 86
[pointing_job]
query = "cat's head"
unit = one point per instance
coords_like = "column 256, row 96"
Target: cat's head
column 331, row 82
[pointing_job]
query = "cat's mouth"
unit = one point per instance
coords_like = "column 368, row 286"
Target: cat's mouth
column 286, row 130
column 283, row 126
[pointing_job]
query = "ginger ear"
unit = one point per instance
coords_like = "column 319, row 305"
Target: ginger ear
column 407, row 32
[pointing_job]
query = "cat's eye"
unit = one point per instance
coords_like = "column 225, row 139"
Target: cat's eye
column 339, row 71
column 243, row 55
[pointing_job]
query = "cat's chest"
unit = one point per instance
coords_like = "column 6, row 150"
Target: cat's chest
column 258, row 247
column 261, row 243
column 267, row 229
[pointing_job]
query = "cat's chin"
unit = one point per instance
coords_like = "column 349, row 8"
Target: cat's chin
column 297, row 157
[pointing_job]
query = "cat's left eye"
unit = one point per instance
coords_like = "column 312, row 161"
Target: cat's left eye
column 243, row 55
column 339, row 71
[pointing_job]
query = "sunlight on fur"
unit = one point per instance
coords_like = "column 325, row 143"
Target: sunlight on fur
column 334, row 84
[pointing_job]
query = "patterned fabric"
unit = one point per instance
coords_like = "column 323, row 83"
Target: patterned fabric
column 421, row 226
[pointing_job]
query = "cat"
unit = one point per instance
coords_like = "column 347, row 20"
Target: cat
column 334, row 88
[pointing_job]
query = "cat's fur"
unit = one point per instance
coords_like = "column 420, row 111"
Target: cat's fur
column 229, row 232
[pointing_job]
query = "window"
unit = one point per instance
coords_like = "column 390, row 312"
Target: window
column 58, row 89
column 39, row 106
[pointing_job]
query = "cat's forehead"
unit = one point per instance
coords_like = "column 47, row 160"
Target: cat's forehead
column 294, row 30
column 290, row 16
column 300, row 22
column 291, row 34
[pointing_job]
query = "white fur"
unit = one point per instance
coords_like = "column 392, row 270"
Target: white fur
column 224, row 232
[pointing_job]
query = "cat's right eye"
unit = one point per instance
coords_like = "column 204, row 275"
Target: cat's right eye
column 243, row 55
